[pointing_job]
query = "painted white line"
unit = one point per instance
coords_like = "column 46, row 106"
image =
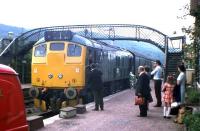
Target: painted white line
column 51, row 120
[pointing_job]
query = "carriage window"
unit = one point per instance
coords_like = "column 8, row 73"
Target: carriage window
column 101, row 56
column 57, row 46
column 74, row 50
column 40, row 51
column 118, row 61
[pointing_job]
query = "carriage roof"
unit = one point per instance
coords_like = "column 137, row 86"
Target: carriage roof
column 75, row 38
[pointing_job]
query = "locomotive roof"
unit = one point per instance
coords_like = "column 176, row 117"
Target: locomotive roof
column 87, row 42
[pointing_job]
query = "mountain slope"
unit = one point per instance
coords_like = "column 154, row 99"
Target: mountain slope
column 4, row 29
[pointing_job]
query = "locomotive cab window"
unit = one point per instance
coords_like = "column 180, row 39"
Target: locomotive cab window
column 74, row 50
column 40, row 51
column 57, row 46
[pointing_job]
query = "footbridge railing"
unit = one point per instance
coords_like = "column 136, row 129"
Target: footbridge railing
column 97, row 32
column 23, row 43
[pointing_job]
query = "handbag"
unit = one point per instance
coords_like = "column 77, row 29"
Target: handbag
column 139, row 100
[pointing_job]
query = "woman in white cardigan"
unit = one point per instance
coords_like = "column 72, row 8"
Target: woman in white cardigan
column 181, row 82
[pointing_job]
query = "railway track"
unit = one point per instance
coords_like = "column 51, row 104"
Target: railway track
column 29, row 105
column 28, row 101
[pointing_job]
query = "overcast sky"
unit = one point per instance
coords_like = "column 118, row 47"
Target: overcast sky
column 158, row 14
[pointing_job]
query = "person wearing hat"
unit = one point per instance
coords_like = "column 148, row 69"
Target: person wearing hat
column 96, row 85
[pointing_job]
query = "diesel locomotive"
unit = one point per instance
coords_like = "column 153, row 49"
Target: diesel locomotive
column 61, row 62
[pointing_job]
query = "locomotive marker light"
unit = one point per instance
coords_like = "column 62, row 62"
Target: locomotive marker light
column 50, row 76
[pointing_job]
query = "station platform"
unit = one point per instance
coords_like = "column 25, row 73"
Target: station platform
column 120, row 114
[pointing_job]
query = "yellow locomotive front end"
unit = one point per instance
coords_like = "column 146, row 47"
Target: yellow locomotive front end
column 59, row 67
column 58, row 71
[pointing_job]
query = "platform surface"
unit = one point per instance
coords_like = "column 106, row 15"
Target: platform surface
column 120, row 114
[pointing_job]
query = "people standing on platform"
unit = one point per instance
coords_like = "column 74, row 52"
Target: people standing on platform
column 177, row 94
column 181, row 82
column 147, row 71
column 132, row 80
column 168, row 96
column 157, row 77
column 143, row 90
column 96, row 85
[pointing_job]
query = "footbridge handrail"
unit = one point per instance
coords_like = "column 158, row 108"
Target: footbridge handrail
column 25, row 41
column 4, row 50
column 100, row 32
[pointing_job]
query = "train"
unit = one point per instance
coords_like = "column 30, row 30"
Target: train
column 61, row 63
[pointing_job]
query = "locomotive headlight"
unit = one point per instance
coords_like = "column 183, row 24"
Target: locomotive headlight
column 50, row 76
column 60, row 75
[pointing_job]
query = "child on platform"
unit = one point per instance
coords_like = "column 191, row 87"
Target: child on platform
column 168, row 96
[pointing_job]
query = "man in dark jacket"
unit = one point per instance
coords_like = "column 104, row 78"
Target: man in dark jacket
column 96, row 85
column 143, row 90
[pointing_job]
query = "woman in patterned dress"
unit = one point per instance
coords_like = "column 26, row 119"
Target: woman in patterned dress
column 168, row 96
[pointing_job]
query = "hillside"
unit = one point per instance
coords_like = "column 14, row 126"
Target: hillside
column 4, row 29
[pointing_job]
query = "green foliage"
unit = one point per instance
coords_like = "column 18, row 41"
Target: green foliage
column 22, row 64
column 189, row 55
column 196, row 46
column 193, row 96
column 192, row 121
